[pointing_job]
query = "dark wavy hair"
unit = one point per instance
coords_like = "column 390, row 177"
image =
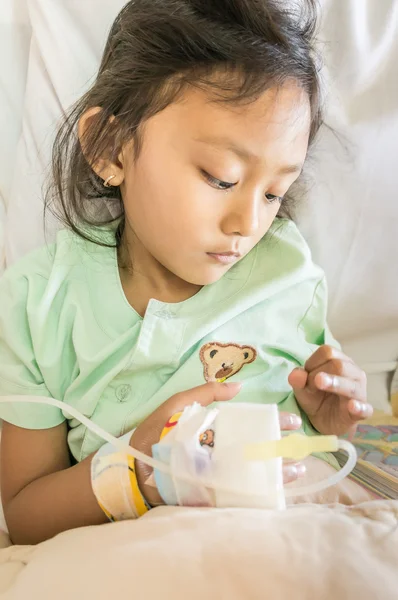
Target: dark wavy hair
column 235, row 49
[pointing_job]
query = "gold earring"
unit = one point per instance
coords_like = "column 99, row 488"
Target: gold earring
column 108, row 180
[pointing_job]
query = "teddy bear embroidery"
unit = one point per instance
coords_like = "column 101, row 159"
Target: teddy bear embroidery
column 221, row 361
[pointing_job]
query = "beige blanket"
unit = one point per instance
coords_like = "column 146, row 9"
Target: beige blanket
column 307, row 552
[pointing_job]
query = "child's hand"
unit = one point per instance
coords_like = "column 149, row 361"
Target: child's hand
column 331, row 390
column 148, row 433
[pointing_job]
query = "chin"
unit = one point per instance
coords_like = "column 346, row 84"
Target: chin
column 205, row 278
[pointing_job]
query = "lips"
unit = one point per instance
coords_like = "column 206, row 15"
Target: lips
column 228, row 253
column 225, row 258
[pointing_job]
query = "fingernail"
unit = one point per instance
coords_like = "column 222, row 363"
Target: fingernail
column 233, row 384
column 295, row 471
column 365, row 409
column 301, row 470
column 291, row 471
column 357, row 406
column 294, row 420
column 327, row 380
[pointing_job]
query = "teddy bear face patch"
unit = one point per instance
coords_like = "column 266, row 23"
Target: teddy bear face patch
column 221, row 361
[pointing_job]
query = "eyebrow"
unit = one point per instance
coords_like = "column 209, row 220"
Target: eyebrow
column 244, row 153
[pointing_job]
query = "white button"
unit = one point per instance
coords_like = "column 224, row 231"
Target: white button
column 123, row 392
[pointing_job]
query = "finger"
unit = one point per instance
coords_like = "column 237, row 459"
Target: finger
column 204, row 395
column 323, row 355
column 289, row 421
column 341, row 386
column 342, row 368
column 293, row 471
column 359, row 410
column 351, row 432
column 149, row 431
column 298, row 379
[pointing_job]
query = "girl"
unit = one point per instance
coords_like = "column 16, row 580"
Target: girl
column 179, row 277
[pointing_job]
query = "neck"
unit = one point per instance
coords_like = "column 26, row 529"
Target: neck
column 143, row 277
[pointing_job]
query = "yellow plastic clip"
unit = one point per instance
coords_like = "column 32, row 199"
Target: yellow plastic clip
column 294, row 447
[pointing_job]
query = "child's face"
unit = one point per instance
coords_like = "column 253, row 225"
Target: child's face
column 174, row 195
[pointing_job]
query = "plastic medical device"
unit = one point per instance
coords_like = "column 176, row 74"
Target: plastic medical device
column 243, row 469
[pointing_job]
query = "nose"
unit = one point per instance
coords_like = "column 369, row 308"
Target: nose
column 242, row 216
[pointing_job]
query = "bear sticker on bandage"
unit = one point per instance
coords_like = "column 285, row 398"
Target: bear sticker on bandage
column 221, row 361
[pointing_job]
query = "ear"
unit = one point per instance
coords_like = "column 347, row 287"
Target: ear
column 103, row 167
column 208, row 352
column 249, row 354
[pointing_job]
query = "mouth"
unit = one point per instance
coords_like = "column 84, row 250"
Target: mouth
column 225, row 258
column 224, row 373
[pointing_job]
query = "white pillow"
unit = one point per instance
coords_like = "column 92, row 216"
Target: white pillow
column 351, row 217
column 14, row 50
column 61, row 68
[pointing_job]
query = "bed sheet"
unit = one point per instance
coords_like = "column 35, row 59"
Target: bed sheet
column 305, row 552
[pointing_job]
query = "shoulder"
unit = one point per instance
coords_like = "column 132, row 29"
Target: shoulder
column 37, row 263
column 30, row 272
column 40, row 262
column 58, row 263
column 45, row 298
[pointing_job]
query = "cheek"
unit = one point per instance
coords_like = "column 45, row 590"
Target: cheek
column 269, row 213
column 169, row 199
column 273, row 210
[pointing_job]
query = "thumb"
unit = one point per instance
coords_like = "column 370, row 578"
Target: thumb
column 298, row 379
column 204, row 395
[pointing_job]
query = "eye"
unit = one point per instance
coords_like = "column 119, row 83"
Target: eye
column 271, row 198
column 213, row 353
column 217, row 183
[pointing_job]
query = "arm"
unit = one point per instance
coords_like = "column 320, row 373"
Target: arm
column 42, row 493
